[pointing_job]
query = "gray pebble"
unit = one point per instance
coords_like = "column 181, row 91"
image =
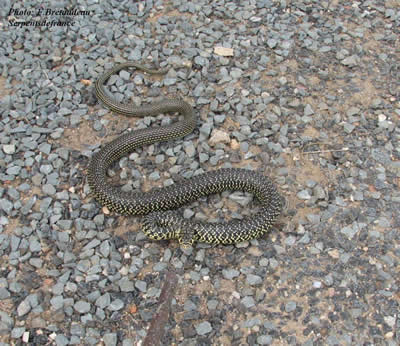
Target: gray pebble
column 304, row 194
column 49, row 189
column 189, row 305
column 4, row 293
column 126, row 285
column 230, row 273
column 154, row 176
column 103, row 301
column 14, row 170
column 348, row 128
column 308, row 110
column 212, row 304
column 248, row 302
column 203, row 328
column 253, row 279
column 350, row 60
column 82, row 306
column 92, row 244
column 17, row 332
column 9, row 148
column 34, row 245
column 45, row 148
column 105, row 248
column 264, row 340
column 273, row 263
column 23, row 308
column 65, row 224
column 61, row 340
column 319, row 192
column 110, row 339
column 125, row 75
column 160, row 266
column 290, row 306
column 127, row 342
column 328, row 280
column 272, row 43
column 159, row 159
column 6, row 205
column 141, row 285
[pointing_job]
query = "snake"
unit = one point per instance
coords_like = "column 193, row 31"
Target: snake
column 161, row 220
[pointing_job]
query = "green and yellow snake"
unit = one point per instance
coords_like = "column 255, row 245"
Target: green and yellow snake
column 168, row 224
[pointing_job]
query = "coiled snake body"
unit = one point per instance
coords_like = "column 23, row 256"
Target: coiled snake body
column 159, row 225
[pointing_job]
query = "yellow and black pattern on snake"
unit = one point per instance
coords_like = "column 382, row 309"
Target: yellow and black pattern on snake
column 160, row 222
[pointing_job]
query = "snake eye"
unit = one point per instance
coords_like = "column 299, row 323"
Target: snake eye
column 185, row 245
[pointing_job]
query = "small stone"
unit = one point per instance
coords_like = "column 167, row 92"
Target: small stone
column 23, row 308
column 61, row 340
column 141, row 285
column 110, row 339
column 49, row 189
column 308, row 110
column 6, row 205
column 304, row 194
column 348, row 128
column 242, row 245
column 236, row 73
column 248, row 302
column 125, row 75
column 272, row 43
column 353, row 111
column 25, row 337
column 128, row 342
column 390, row 321
column 126, row 285
column 82, row 307
column 317, row 284
column 103, row 301
column 4, row 294
column 253, row 279
column 334, row 253
column 9, row 148
column 350, row 60
column 154, row 176
column 203, row 328
column 290, row 306
column 229, row 274
column 212, row 304
column 35, row 246
column 17, row 332
column 349, row 231
column 105, row 248
column 223, row 51
column 264, row 340
column 190, row 150
column 218, row 136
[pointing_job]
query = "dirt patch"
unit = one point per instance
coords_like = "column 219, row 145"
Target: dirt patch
column 12, row 225
column 366, row 94
column 3, row 90
column 303, row 168
column 167, row 13
column 84, row 135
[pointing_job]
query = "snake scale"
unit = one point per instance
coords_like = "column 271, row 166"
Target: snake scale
column 160, row 222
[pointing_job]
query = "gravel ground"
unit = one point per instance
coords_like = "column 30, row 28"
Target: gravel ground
column 305, row 91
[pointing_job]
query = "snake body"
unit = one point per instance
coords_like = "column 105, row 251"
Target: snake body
column 160, row 221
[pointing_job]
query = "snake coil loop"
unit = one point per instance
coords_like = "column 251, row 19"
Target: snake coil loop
column 169, row 225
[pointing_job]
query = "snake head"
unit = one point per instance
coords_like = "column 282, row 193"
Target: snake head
column 186, row 244
column 186, row 236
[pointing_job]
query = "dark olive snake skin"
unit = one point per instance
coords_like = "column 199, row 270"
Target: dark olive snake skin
column 168, row 224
